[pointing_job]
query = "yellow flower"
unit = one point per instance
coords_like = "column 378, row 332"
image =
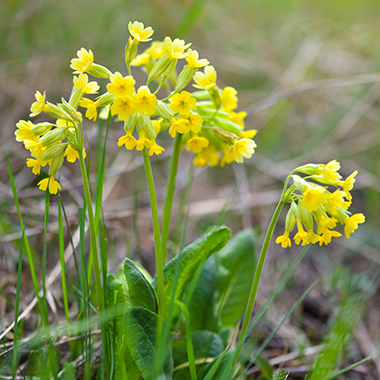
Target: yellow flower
column 38, row 106
column 199, row 161
column 284, row 240
column 327, row 235
column 194, row 61
column 324, row 222
column 182, row 103
column 23, row 131
column 65, row 123
column 228, row 156
column 138, row 32
column 155, row 149
column 35, row 165
column 196, row 144
column 54, row 186
column 210, row 155
column 176, row 48
column 157, row 126
column 249, row 134
column 145, row 101
column 348, row 184
column 313, row 197
column 36, row 149
column 123, row 107
column 205, row 80
column 92, row 111
column 335, row 202
column 143, row 141
column 351, row 223
column 120, row 85
column 84, row 62
column 229, row 98
column 157, row 50
column 180, row 125
column 301, row 234
column 141, row 59
column 81, row 81
column 195, row 121
column 238, row 117
column 243, row 148
column 72, row 155
column 330, row 172
column 128, row 140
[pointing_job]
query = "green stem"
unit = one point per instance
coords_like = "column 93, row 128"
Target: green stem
column 256, row 281
column 98, row 281
column 169, row 197
column 156, row 233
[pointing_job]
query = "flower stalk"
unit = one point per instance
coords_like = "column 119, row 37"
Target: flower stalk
column 169, row 197
column 157, row 235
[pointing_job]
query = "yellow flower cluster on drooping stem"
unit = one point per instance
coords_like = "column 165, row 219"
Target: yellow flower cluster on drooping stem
column 316, row 210
column 206, row 118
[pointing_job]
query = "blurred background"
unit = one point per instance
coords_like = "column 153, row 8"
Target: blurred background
column 307, row 74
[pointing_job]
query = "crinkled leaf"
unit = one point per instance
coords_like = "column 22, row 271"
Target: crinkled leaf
column 191, row 258
column 140, row 336
column 239, row 258
column 141, row 293
column 201, row 305
column 206, row 344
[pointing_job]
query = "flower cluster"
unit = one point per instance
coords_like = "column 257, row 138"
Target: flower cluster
column 315, row 210
column 205, row 119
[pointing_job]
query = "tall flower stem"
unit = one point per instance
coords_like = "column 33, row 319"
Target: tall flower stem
column 256, row 280
column 169, row 197
column 156, row 233
column 98, row 281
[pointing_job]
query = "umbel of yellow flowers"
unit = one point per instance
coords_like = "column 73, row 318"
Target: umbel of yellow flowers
column 316, row 209
column 206, row 118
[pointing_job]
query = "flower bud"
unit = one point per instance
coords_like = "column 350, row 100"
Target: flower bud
column 57, row 112
column 299, row 183
column 70, row 111
column 75, row 97
column 52, row 136
column 148, row 127
column 104, row 100
column 164, row 110
column 56, row 163
column 159, row 67
column 290, row 220
column 184, row 78
column 42, row 128
column 295, row 211
column 54, row 151
column 168, row 72
column 130, row 51
column 215, row 97
column 129, row 124
column 228, row 125
column 143, row 123
column 310, row 169
column 306, row 218
column 99, row 71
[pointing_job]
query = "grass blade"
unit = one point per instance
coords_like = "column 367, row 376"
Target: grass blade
column 14, row 361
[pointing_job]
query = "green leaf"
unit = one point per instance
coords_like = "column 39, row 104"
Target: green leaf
column 141, row 293
column 265, row 368
column 191, row 258
column 239, row 257
column 140, row 327
column 117, row 306
column 206, row 344
column 201, row 303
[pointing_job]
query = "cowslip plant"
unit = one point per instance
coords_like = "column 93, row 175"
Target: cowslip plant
column 177, row 325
